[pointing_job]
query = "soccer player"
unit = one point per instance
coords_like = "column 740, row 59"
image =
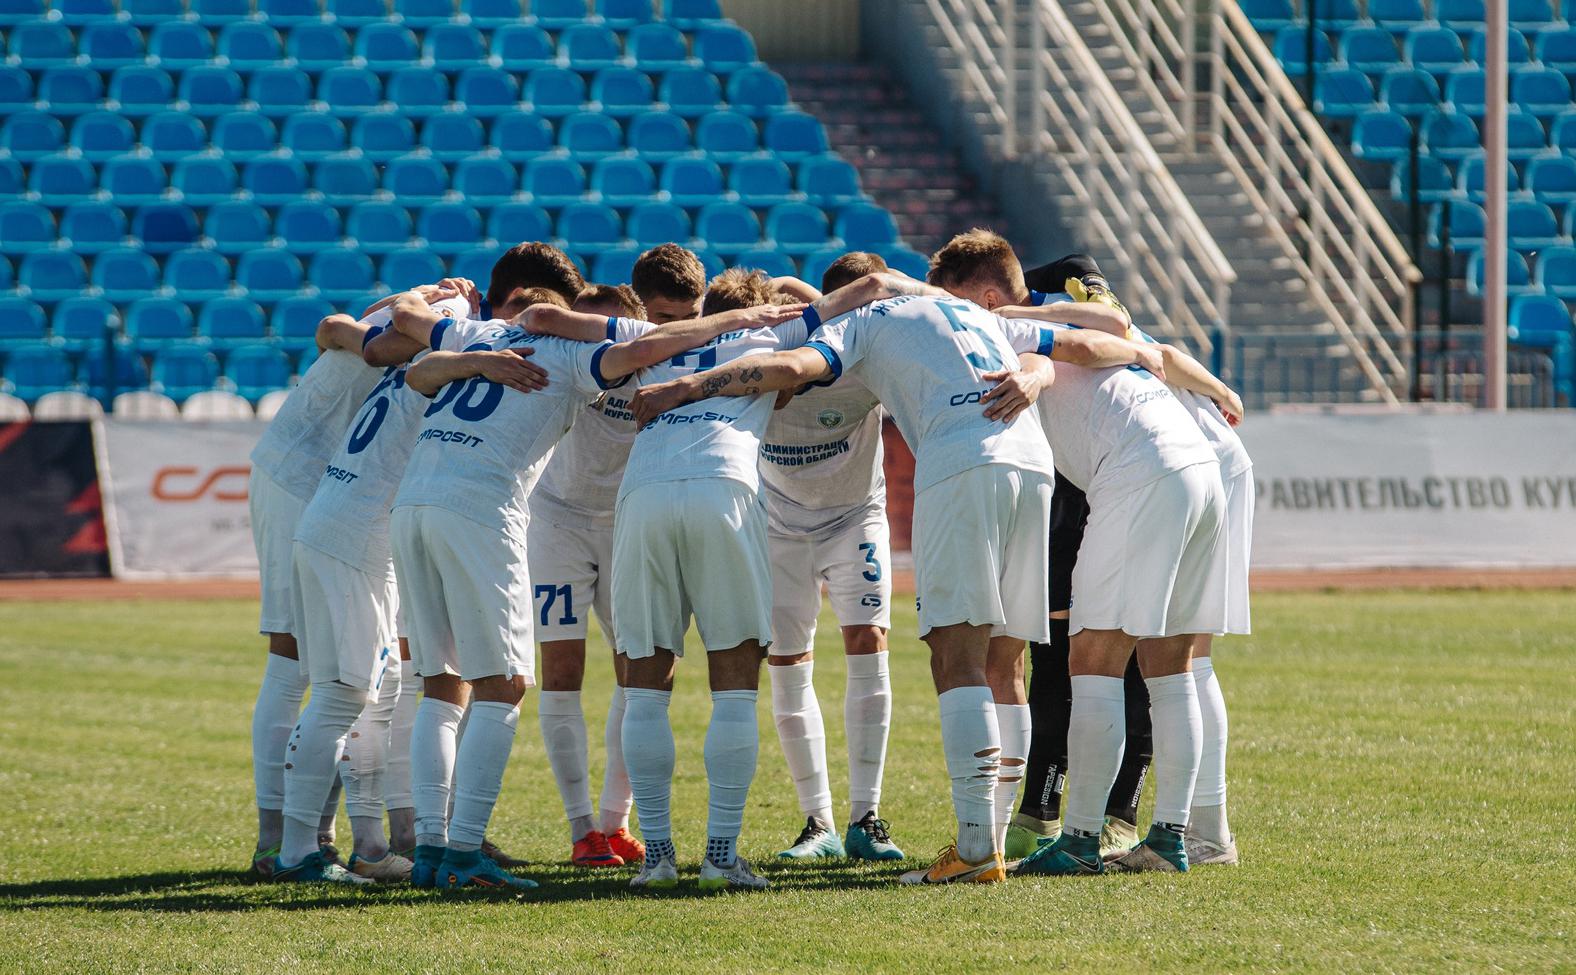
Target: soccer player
column 825, row 496
column 460, row 545
column 670, row 281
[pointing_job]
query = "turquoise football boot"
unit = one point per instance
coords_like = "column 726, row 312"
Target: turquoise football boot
column 317, row 869
column 816, row 842
column 469, row 868
column 1162, row 851
column 425, row 861
column 1069, row 856
column 868, row 840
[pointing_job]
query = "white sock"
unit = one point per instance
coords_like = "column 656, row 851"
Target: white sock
column 1173, row 710
column 972, row 744
column 803, row 736
column 478, row 771
column 273, row 718
column 433, row 743
column 648, row 752
column 1013, row 722
column 616, row 797
column 732, row 746
column 311, row 763
column 1208, row 818
column 1096, row 738
column 396, row 777
column 564, row 733
column 867, row 716
column 364, row 765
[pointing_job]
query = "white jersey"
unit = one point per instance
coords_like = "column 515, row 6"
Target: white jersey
column 482, row 445
column 1112, row 430
column 717, row 437
column 923, row 358
column 1233, row 456
column 821, row 459
column 311, row 424
column 582, row 477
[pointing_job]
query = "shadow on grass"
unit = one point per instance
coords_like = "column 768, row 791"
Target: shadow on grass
column 227, row 891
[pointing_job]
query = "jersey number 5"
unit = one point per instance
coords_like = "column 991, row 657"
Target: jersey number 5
column 987, row 358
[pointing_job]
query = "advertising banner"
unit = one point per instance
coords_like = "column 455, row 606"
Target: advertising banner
column 50, row 519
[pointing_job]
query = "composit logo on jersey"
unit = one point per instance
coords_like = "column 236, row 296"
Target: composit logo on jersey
column 831, row 419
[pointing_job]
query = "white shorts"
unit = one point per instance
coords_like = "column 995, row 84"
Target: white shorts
column 980, row 541
column 1153, row 561
column 696, row 546
column 275, row 514
column 466, row 591
column 1239, row 546
column 344, row 620
column 571, row 576
column 855, row 562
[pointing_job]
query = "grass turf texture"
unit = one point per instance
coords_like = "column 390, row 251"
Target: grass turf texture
column 1401, row 776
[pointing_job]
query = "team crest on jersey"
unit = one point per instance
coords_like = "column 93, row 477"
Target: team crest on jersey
column 830, row 419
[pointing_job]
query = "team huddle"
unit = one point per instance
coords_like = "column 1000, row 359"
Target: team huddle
column 463, row 475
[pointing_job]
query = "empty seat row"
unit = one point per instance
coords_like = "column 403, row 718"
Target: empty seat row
column 1437, row 50
column 1550, row 179
column 1397, row 15
column 557, row 14
column 1384, row 134
column 179, row 371
column 1529, row 225
column 1344, row 92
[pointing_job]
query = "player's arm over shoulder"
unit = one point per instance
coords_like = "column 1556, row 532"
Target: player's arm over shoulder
column 341, row 332
column 748, row 376
column 1084, row 314
column 676, row 338
column 507, row 367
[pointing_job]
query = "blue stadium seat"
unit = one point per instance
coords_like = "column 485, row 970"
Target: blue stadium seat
column 7, row 275
column 169, row 136
column 453, row 136
column 623, row 181
column 347, row 177
column 179, row 44
column 92, row 226
column 1469, row 178
column 80, row 322
column 519, row 136
column 1517, row 277
column 306, row 227
column 349, row 91
column 615, row 265
column 1464, row 90
column 21, row 322
column 167, row 227
column 237, row 226
column 1524, row 136
column 588, row 136
column 133, row 180
column 229, row 322
column 1538, row 319
column 587, row 228
column 1517, row 50
column 558, row 14
column 409, row 267
column 815, row 263
column 311, row 136
column 476, row 263
column 130, row 374
column 386, row 46
column 270, row 274
column 318, row 47
column 1556, row 271
column 155, row 322
column 692, row 182
column 650, row 224
column 516, row 223
column 761, row 181
column 1532, row 15
column 690, row 92
column 383, row 135
column 424, row 14
column 829, row 181
column 237, row 137
column 41, row 44
column 523, row 47
column 1396, row 16
column 1557, row 48
column 151, row 13
column 418, row 91
column 1410, row 91
column 274, row 180
column 33, row 370
column 1450, row 136
column 25, row 227
column 588, row 47
column 1552, row 178
column 248, row 45
column 448, row 228
column 490, row 14
column 865, row 226
column 280, row 91
column 774, row 262
column 1381, row 134
column 294, row 321
column 355, row 14
column 1369, row 49
column 343, row 273
column 794, row 135
column 181, row 371
column 31, row 135
column 111, row 44
column 906, row 259
column 13, row 12
column 659, row 136
column 624, row 14
column 692, row 14
column 622, row 92
column 1541, row 91
column 100, row 135
column 257, row 370
column 220, row 11
column 797, row 228
column 1459, row 13
column 209, row 90
column 656, row 47
column 59, row 179
column 553, row 181
column 485, row 180
column 1342, row 92
column 555, row 91
column 140, row 89
column 1530, row 225
column 417, row 180
column 16, row 89
column 727, row 136
column 1291, row 49
column 453, row 47
column 487, row 92
column 289, row 13
column 378, row 227
column 197, row 274
column 724, row 48
column 70, row 90
column 757, row 91
column 728, row 228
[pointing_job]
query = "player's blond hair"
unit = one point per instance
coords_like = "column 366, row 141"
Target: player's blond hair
column 668, row 271
column 980, row 257
column 850, row 268
column 738, row 288
column 609, row 297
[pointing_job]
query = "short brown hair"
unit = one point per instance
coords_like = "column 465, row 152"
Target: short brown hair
column 738, row 288
column 534, row 265
column 538, row 296
column 979, row 256
column 621, row 295
column 668, row 271
column 850, row 268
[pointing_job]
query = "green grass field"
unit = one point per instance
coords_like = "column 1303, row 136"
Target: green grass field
column 1403, row 776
